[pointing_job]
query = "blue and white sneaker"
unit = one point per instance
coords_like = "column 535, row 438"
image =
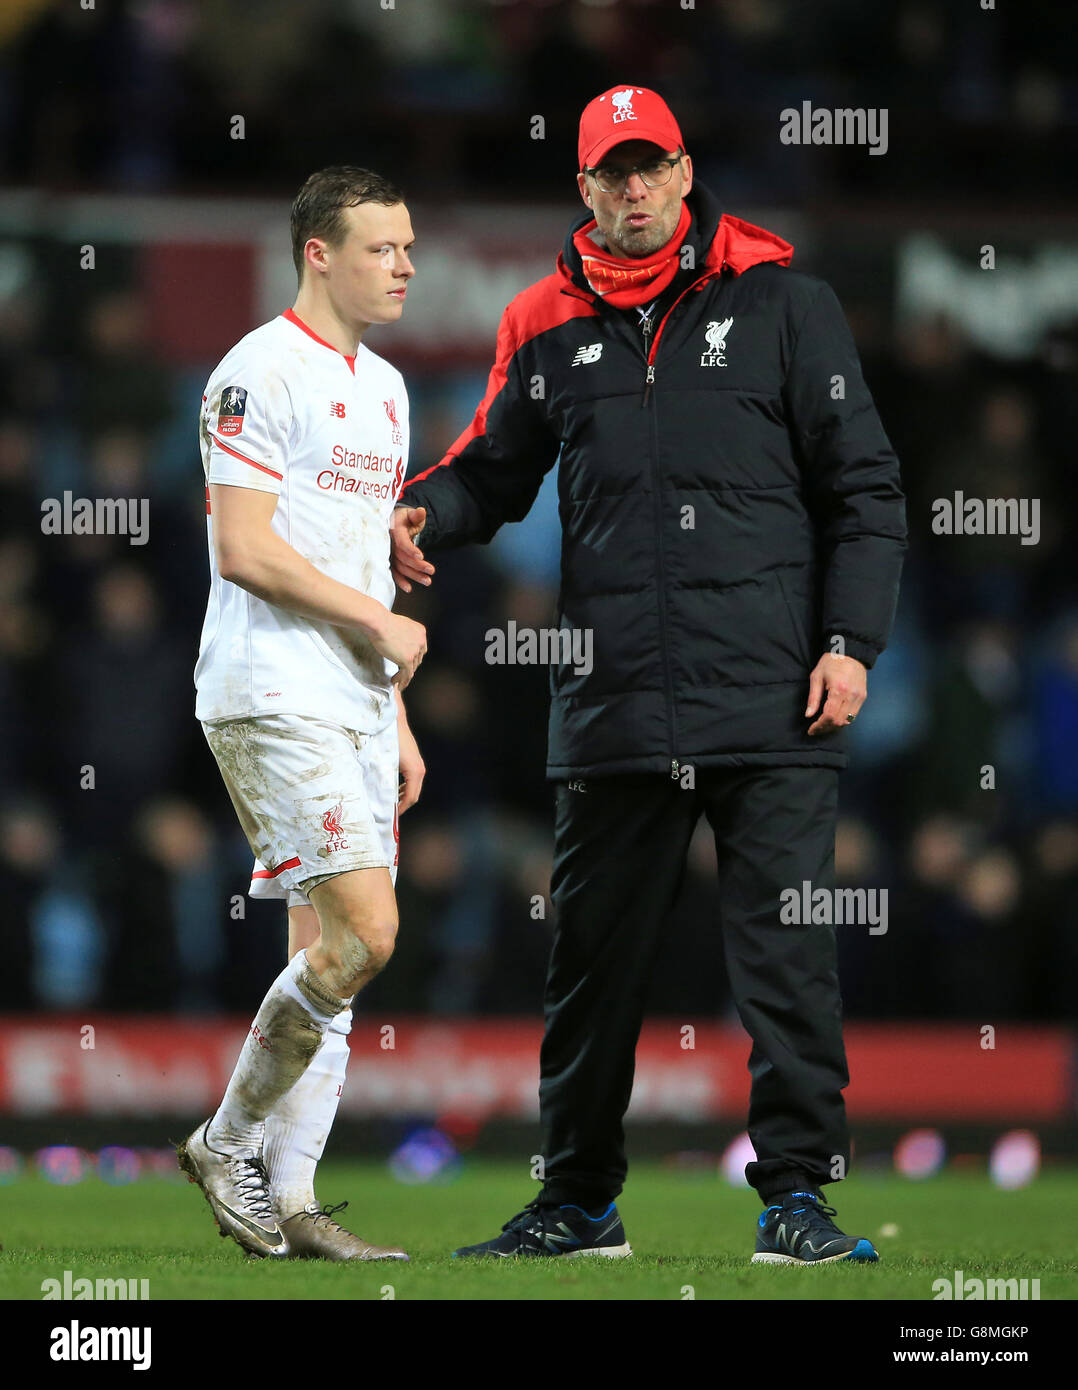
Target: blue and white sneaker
column 800, row 1231
column 567, row 1231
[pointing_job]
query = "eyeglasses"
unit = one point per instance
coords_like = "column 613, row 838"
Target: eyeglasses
column 653, row 174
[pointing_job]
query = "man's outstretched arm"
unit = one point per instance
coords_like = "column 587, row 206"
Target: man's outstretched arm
column 490, row 475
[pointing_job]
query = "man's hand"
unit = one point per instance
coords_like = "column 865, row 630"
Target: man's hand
column 407, row 560
column 402, row 641
column 412, row 767
column 846, row 683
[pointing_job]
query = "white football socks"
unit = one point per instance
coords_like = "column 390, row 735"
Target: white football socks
column 284, row 1038
column 299, row 1125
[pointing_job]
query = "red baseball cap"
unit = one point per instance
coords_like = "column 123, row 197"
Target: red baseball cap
column 625, row 113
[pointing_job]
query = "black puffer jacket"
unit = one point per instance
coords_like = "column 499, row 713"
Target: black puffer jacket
column 728, row 498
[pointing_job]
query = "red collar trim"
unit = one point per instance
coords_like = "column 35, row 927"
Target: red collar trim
column 741, row 245
column 294, row 318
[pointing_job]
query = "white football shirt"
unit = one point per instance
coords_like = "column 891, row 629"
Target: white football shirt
column 285, row 412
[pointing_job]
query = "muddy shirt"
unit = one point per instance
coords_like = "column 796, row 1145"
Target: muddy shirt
column 285, row 412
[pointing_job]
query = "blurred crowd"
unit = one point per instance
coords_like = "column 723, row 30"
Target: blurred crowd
column 124, row 866
column 143, row 94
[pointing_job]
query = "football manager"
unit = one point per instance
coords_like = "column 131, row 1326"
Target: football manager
column 733, row 530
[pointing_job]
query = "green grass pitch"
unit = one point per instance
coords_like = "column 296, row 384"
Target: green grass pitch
column 686, row 1230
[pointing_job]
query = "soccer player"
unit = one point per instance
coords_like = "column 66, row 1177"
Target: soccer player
column 304, row 436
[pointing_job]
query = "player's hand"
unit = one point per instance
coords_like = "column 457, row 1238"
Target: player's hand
column 846, row 683
column 402, row 641
column 412, row 769
column 406, row 559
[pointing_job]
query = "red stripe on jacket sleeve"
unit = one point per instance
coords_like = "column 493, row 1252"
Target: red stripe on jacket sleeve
column 541, row 307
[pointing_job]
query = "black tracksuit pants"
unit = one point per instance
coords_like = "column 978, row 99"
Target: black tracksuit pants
column 619, row 856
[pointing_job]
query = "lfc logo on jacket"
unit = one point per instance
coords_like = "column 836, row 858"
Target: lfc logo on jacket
column 715, row 334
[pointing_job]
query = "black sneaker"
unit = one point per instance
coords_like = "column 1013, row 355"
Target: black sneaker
column 566, row 1231
column 800, row 1232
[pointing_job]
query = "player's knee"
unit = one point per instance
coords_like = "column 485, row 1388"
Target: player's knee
column 377, row 944
column 362, row 951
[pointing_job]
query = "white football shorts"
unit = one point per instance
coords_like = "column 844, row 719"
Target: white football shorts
column 314, row 799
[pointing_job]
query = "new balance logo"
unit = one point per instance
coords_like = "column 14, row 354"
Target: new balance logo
column 565, row 1238
column 795, row 1240
column 591, row 353
column 336, row 409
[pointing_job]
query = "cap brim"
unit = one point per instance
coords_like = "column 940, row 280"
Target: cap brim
column 603, row 147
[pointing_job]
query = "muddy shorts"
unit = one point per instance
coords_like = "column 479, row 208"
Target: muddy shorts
column 314, row 799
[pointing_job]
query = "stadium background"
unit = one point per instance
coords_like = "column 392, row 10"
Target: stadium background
column 116, row 133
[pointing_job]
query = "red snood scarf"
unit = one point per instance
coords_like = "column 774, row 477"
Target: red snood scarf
column 627, row 282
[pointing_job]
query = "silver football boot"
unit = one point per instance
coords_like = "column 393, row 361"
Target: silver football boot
column 312, row 1234
column 237, row 1189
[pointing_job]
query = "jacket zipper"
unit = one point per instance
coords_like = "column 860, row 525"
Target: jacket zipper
column 649, row 355
column 649, row 375
column 649, row 381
